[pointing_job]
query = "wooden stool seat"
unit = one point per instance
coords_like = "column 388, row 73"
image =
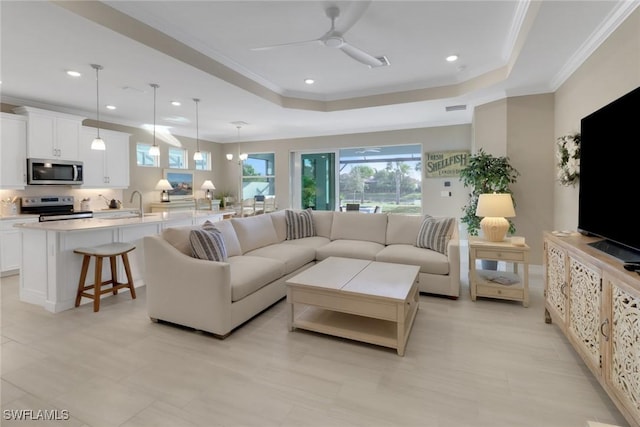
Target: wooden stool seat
column 111, row 251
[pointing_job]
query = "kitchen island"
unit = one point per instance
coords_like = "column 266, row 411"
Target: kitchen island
column 50, row 268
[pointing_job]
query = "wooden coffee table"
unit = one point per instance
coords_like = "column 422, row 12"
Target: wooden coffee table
column 368, row 301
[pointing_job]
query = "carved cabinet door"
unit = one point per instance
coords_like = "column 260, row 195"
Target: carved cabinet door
column 585, row 297
column 556, row 285
column 622, row 369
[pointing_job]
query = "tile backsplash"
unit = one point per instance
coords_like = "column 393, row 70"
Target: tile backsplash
column 95, row 201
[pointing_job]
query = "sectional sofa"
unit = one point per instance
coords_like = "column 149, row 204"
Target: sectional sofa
column 218, row 296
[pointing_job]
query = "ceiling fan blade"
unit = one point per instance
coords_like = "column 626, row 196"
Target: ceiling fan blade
column 362, row 56
column 350, row 15
column 287, row 44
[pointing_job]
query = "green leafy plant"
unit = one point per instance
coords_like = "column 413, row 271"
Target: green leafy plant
column 485, row 173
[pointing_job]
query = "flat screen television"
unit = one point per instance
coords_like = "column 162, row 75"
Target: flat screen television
column 609, row 177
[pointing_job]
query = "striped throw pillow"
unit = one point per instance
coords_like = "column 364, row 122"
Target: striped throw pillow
column 299, row 224
column 207, row 243
column 435, row 233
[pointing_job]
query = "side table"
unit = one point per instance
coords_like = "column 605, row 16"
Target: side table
column 499, row 284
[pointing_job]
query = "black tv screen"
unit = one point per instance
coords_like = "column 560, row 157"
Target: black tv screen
column 610, row 176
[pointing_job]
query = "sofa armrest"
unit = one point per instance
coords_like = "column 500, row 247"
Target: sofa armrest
column 185, row 290
column 453, row 253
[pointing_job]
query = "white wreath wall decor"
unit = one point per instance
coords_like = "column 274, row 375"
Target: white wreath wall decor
column 568, row 156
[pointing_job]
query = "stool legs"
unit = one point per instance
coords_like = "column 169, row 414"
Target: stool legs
column 97, row 281
column 97, row 284
column 127, row 269
column 83, row 277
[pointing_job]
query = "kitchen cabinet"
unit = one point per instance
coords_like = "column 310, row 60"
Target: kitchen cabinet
column 13, row 151
column 596, row 303
column 51, row 135
column 108, row 168
column 11, row 245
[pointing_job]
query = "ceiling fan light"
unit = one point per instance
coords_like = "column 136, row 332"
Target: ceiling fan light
column 98, row 144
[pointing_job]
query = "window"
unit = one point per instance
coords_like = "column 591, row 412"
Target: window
column 389, row 177
column 258, row 175
column 143, row 158
column 205, row 163
column 177, row 158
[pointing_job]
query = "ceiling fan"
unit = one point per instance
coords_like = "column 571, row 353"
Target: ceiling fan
column 334, row 38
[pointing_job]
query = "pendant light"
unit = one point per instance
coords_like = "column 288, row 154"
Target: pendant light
column 197, row 156
column 98, row 143
column 154, row 150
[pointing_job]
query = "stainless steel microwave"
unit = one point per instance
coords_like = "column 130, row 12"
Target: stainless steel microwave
column 54, row 172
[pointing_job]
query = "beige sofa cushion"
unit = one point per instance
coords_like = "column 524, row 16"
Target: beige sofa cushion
column 322, row 220
column 254, row 232
column 309, row 242
column 280, row 224
column 349, row 249
column 250, row 273
column 359, row 226
column 402, row 229
column 292, row 256
column 178, row 237
column 429, row 261
column 229, row 236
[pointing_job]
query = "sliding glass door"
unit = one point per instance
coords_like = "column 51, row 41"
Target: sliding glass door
column 314, row 181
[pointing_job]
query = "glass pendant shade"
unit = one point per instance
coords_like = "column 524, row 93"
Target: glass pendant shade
column 98, row 144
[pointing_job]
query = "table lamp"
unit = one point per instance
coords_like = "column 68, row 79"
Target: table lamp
column 494, row 208
column 164, row 185
column 208, row 185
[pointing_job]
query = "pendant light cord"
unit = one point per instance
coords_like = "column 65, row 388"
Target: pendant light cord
column 97, row 68
column 197, row 126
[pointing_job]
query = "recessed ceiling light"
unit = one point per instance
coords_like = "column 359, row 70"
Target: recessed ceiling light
column 176, row 103
column 110, row 107
column 452, row 58
column 309, row 81
column 73, row 73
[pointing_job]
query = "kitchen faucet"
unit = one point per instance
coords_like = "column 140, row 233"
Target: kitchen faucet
column 131, row 201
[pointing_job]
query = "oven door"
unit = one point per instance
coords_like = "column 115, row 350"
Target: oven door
column 53, row 172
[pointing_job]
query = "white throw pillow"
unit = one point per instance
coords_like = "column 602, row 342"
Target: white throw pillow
column 435, row 233
column 299, row 224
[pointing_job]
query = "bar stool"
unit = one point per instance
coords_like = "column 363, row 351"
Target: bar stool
column 110, row 250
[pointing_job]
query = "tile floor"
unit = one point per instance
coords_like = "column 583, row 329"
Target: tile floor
column 483, row 364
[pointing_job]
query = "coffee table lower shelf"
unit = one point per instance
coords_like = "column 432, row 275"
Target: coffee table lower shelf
column 355, row 327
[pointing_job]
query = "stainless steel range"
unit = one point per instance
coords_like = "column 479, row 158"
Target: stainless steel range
column 52, row 208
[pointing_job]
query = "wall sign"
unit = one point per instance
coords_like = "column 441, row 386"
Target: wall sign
column 444, row 164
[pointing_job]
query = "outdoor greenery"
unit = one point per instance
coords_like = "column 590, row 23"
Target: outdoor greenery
column 485, row 173
column 389, row 185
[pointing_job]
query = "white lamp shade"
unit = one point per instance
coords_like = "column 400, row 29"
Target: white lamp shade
column 229, row 156
column 495, row 205
column 163, row 184
column 154, row 150
column 98, row 144
column 197, row 156
column 243, row 156
column 208, row 185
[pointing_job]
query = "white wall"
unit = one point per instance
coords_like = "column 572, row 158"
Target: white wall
column 610, row 72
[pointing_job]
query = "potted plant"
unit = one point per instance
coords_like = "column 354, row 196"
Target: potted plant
column 483, row 174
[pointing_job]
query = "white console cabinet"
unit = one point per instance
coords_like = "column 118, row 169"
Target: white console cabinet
column 51, row 135
column 108, row 168
column 13, row 151
column 596, row 304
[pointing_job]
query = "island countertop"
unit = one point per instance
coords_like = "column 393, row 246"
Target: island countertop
column 115, row 222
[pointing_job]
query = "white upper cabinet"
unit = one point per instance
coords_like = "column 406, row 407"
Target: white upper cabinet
column 13, row 151
column 109, row 168
column 51, row 135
